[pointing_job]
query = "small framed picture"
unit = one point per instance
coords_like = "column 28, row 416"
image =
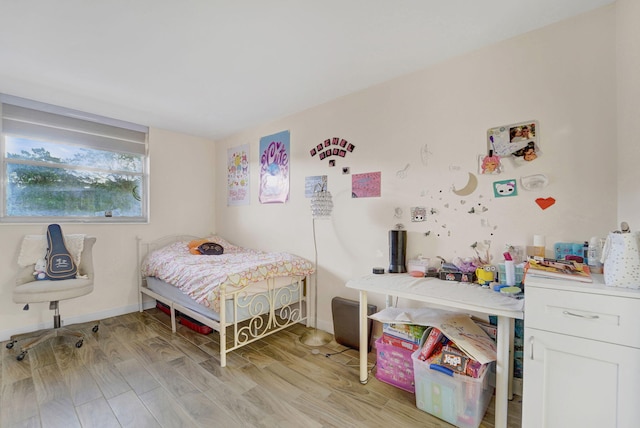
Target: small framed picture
column 313, row 152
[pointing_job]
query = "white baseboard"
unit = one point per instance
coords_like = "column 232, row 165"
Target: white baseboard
column 6, row 334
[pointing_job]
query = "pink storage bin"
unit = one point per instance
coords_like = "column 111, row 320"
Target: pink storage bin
column 395, row 366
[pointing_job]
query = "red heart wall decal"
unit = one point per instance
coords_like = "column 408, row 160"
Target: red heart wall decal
column 545, row 203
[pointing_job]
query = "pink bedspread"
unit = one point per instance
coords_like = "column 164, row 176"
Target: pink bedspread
column 201, row 276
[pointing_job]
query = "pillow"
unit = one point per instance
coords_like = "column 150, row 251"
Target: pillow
column 34, row 248
column 219, row 240
column 211, row 249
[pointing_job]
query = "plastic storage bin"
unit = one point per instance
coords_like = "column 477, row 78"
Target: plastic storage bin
column 460, row 400
column 395, row 365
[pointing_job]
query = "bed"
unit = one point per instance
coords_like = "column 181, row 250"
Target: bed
column 247, row 292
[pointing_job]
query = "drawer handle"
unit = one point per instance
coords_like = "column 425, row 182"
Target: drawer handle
column 531, row 348
column 590, row 317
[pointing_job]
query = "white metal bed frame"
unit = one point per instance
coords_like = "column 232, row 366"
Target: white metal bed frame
column 261, row 321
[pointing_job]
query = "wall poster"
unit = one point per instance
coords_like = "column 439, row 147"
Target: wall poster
column 238, row 192
column 274, row 168
column 366, row 185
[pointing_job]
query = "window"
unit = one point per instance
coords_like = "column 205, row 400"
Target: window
column 64, row 165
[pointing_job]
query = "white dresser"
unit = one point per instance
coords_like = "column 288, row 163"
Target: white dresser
column 582, row 355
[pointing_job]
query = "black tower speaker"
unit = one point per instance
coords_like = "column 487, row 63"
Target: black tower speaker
column 397, row 251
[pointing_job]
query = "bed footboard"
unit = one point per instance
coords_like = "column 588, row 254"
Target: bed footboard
column 268, row 312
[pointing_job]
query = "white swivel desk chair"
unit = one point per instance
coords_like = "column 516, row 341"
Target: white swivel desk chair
column 29, row 290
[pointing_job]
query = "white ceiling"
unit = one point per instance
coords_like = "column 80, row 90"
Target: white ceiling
column 214, row 67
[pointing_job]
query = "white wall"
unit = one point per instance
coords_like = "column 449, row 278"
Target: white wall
column 182, row 201
column 563, row 76
column 628, row 107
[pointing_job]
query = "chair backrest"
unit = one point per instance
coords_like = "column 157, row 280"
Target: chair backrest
column 86, row 259
column 25, row 274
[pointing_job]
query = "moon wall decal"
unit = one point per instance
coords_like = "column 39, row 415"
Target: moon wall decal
column 470, row 187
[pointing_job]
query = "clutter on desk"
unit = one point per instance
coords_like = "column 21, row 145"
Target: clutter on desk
column 556, row 268
column 486, row 274
column 419, row 264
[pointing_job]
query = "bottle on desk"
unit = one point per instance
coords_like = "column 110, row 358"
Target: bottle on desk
column 509, row 270
column 594, row 253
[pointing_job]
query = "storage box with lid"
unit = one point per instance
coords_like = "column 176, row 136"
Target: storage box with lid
column 419, row 264
column 460, row 400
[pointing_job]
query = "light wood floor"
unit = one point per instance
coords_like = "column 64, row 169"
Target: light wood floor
column 135, row 373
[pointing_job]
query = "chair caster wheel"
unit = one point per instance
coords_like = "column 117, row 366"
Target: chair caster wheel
column 95, row 328
column 21, row 355
column 10, row 344
column 79, row 344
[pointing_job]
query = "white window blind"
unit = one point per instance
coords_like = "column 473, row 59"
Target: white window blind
column 32, row 119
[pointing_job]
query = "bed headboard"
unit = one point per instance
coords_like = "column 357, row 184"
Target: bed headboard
column 146, row 247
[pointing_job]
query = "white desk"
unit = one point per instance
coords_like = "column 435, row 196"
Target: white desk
column 454, row 295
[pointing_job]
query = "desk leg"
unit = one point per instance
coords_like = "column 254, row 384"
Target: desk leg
column 502, row 371
column 512, row 326
column 364, row 346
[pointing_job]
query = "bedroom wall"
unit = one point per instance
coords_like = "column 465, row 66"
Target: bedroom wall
column 424, row 132
column 182, row 201
column 628, row 69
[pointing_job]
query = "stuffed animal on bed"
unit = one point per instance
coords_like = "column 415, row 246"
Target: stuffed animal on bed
column 40, row 270
column 204, row 246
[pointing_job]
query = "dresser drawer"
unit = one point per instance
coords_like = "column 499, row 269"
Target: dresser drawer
column 601, row 317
